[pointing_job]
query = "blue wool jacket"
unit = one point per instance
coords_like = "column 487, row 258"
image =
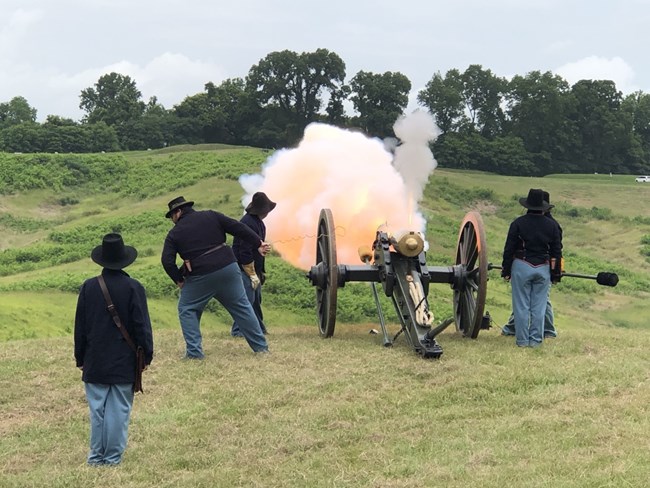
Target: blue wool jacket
column 534, row 238
column 245, row 252
column 197, row 232
column 99, row 346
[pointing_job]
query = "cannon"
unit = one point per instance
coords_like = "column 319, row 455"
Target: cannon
column 398, row 263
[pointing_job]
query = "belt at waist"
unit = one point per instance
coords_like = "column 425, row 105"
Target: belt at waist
column 534, row 261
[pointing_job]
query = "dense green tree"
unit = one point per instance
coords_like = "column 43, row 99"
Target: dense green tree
column 16, row 111
column 459, row 150
column 637, row 105
column 508, row 156
column 538, row 108
column 547, row 126
column 483, row 94
column 54, row 136
column 197, row 118
column 223, row 113
column 25, row 137
column 100, row 138
column 443, row 97
column 470, row 150
column 62, row 135
column 274, row 129
column 115, row 100
column 63, row 139
column 56, row 121
column 153, row 130
column 379, row 99
column 335, row 106
column 603, row 130
column 146, row 132
column 238, row 107
column 154, row 108
column 296, row 84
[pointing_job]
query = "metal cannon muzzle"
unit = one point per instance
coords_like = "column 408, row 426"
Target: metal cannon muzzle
column 409, row 244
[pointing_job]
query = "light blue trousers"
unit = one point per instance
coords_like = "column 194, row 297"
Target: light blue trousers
column 530, row 288
column 549, row 321
column 255, row 299
column 110, row 410
column 226, row 286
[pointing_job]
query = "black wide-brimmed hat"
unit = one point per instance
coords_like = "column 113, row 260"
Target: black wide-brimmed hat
column 177, row 202
column 535, row 200
column 547, row 199
column 112, row 253
column 260, row 205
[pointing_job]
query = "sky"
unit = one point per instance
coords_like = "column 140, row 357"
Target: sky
column 51, row 50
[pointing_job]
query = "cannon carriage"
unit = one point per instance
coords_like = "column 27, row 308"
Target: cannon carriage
column 398, row 263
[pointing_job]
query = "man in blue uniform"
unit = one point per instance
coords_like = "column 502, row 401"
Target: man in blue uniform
column 107, row 361
column 549, row 318
column 209, row 271
column 532, row 249
column 250, row 261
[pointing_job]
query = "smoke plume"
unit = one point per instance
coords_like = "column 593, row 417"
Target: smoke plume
column 364, row 185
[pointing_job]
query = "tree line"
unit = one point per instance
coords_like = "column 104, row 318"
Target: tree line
column 533, row 124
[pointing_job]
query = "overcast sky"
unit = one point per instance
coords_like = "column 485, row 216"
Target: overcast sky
column 50, row 50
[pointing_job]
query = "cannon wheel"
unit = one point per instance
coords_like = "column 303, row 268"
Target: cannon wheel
column 471, row 267
column 326, row 254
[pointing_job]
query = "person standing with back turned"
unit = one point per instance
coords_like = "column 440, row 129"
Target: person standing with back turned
column 210, row 271
column 250, row 261
column 549, row 317
column 533, row 248
column 106, row 359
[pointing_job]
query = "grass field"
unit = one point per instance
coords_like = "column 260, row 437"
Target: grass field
column 342, row 412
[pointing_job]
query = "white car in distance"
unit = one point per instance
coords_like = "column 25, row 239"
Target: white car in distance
column 643, row 179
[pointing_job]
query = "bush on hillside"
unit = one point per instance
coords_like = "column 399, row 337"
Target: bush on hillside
column 65, row 246
column 21, row 172
column 147, row 176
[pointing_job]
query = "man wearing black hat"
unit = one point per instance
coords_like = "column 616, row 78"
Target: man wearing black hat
column 549, row 318
column 107, row 361
column 533, row 243
column 250, row 261
column 209, row 271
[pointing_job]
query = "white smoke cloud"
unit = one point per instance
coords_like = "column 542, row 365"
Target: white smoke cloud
column 355, row 177
column 413, row 158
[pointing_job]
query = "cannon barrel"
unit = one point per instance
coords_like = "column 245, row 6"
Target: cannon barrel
column 603, row 278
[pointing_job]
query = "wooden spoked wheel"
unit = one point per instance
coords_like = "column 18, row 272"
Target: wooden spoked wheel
column 470, row 276
column 327, row 265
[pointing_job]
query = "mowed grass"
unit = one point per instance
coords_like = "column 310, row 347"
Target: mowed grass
column 347, row 412
column 344, row 412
